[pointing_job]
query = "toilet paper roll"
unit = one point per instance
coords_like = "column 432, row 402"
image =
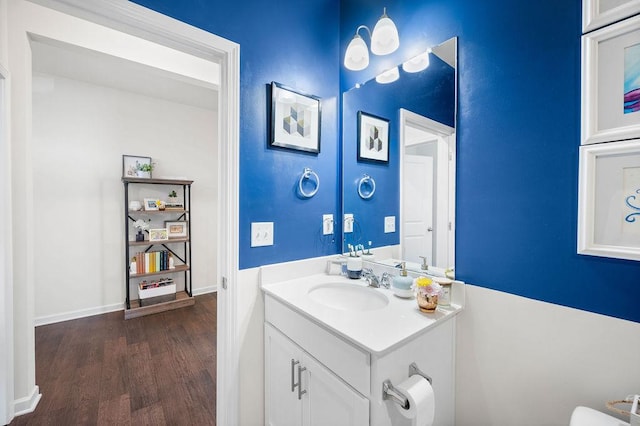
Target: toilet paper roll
column 422, row 407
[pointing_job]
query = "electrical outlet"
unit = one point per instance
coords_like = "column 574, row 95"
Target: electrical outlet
column 261, row 234
column 348, row 223
column 327, row 224
column 389, row 224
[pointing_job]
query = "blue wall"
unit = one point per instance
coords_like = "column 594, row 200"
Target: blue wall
column 518, row 139
column 297, row 45
column 518, row 134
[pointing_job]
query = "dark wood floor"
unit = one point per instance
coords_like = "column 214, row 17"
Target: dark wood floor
column 103, row 370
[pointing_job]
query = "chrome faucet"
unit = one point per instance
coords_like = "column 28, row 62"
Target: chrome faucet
column 373, row 281
column 385, row 280
column 370, row 277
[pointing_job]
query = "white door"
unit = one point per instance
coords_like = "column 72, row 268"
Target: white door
column 417, row 208
column 282, row 406
column 328, row 400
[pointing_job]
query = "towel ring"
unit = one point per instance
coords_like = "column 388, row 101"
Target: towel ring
column 312, row 176
column 366, row 187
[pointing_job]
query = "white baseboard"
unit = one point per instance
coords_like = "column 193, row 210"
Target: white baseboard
column 27, row 404
column 82, row 313
column 204, row 290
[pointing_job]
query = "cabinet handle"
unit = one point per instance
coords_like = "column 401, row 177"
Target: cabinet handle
column 300, row 391
column 293, row 372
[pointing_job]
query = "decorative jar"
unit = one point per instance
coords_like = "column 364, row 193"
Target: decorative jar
column 427, row 303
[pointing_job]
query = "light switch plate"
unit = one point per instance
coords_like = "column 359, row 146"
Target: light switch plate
column 261, row 234
column 389, row 224
column 327, row 224
column 348, row 223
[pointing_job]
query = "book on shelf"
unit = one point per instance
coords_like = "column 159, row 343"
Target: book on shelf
column 151, row 262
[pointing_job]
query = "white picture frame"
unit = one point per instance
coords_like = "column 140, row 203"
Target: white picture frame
column 158, row 234
column 177, row 228
column 609, row 200
column 603, row 116
column 598, row 13
column 150, row 205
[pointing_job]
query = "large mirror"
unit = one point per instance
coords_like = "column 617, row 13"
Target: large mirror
column 399, row 156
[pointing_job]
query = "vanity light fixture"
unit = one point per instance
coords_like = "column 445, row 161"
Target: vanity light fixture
column 384, row 40
column 417, row 63
column 389, row 76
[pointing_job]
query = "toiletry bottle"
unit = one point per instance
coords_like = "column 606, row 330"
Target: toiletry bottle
column 445, row 295
column 402, row 281
column 354, row 266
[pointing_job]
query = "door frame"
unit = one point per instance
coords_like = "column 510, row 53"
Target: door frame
column 145, row 23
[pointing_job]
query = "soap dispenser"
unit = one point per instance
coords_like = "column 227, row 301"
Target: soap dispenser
column 354, row 264
column 402, row 283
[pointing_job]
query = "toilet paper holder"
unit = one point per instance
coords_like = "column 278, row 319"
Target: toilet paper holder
column 390, row 392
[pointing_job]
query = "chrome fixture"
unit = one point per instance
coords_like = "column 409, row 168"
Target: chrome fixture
column 384, row 40
column 390, row 392
column 371, row 278
column 424, row 265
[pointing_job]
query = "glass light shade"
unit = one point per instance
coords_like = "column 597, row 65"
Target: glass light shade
column 356, row 57
column 417, row 63
column 388, row 76
column 384, row 38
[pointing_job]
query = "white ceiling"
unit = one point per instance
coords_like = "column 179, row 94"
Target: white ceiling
column 93, row 67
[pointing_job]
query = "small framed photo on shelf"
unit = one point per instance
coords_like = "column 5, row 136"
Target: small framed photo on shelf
column 136, row 166
column 159, row 234
column 177, row 228
column 373, row 138
column 295, row 119
column 609, row 200
column 150, row 205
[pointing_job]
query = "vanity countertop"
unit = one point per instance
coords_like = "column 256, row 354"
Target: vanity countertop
column 377, row 330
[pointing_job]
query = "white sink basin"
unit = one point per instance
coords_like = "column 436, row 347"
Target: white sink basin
column 348, row 297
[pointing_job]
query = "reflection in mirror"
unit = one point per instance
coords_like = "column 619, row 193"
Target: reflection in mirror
column 413, row 205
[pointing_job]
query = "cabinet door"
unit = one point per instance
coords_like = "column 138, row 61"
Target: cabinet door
column 328, row 400
column 282, row 406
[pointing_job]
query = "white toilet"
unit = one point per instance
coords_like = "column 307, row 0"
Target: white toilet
column 584, row 416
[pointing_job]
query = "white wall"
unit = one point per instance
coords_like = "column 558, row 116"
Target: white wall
column 251, row 342
column 80, row 132
column 524, row 362
column 6, row 275
column 519, row 361
column 26, row 19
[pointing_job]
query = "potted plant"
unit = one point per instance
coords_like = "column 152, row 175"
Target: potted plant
column 172, row 201
column 144, row 170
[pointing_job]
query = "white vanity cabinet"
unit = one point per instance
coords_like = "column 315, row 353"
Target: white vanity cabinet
column 301, row 391
column 326, row 366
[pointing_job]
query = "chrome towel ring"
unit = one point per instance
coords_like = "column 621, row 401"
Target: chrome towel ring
column 366, row 187
column 311, row 176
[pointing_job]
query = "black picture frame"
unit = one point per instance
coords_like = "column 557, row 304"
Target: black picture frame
column 295, row 119
column 373, row 138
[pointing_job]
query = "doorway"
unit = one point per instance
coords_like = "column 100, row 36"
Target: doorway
column 70, row 22
column 426, row 175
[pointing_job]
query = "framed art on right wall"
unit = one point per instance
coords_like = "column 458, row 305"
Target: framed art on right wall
column 611, row 83
column 598, row 13
column 609, row 200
